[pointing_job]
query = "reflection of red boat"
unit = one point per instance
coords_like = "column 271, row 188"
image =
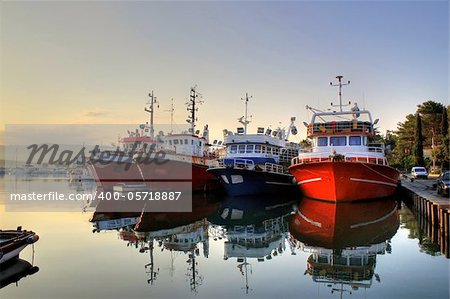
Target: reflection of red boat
column 202, row 207
column 12, row 242
column 342, row 164
column 344, row 240
column 335, row 226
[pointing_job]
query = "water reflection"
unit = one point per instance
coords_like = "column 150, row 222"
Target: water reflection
column 14, row 271
column 344, row 240
column 255, row 229
column 227, row 247
column 177, row 232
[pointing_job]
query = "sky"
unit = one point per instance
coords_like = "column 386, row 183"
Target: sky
column 67, row 62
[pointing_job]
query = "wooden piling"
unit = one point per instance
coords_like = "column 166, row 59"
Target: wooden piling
column 432, row 214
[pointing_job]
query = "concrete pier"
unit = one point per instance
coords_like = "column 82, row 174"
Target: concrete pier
column 430, row 209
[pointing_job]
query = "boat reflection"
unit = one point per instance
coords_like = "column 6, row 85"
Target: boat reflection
column 15, row 271
column 255, row 229
column 178, row 232
column 344, row 240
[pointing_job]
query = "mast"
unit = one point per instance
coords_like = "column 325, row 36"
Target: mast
column 171, row 110
column 340, row 84
column 151, row 102
column 191, row 107
column 152, row 273
column 244, row 119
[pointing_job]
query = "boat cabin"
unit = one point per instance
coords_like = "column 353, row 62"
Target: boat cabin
column 346, row 133
column 186, row 144
column 259, row 148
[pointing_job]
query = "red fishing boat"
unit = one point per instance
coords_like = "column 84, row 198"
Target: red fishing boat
column 160, row 161
column 343, row 163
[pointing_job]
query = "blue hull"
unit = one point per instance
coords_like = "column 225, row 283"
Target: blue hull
column 243, row 182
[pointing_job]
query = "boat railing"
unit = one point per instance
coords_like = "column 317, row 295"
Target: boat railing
column 274, row 168
column 376, row 147
column 306, row 150
column 243, row 163
column 216, row 163
column 232, row 163
column 348, row 157
column 340, row 127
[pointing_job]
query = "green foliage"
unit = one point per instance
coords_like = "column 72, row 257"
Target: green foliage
column 405, row 147
column 418, row 142
column 305, row 143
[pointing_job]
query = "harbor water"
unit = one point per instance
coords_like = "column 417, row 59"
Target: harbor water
column 226, row 248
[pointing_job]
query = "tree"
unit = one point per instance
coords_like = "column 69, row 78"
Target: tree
column 418, row 142
column 445, row 139
column 401, row 154
column 431, row 113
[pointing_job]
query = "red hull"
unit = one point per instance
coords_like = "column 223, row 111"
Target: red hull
column 345, row 181
column 167, row 174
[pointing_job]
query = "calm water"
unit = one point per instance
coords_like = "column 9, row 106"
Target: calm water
column 228, row 248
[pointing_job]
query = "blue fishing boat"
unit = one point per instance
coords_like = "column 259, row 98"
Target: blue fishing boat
column 257, row 163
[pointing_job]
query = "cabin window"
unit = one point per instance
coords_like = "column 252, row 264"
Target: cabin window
column 275, row 151
column 338, row 141
column 241, row 149
column 192, row 141
column 170, row 142
column 175, row 141
column 249, row 149
column 322, row 141
column 257, row 148
column 354, row 140
column 233, row 149
column 263, row 149
column 185, row 141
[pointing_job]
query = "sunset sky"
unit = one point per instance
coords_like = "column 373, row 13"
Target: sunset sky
column 95, row 62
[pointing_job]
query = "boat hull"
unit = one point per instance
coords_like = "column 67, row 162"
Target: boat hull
column 244, row 182
column 345, row 181
column 13, row 242
column 163, row 175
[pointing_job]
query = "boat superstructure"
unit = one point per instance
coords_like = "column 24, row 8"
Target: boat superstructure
column 253, row 163
column 146, row 157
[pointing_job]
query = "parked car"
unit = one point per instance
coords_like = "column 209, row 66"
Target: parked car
column 419, row 172
column 443, row 183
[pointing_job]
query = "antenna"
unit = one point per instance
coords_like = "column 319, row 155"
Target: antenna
column 244, row 120
column 151, row 102
column 340, row 84
column 191, row 107
column 364, row 101
column 171, row 110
